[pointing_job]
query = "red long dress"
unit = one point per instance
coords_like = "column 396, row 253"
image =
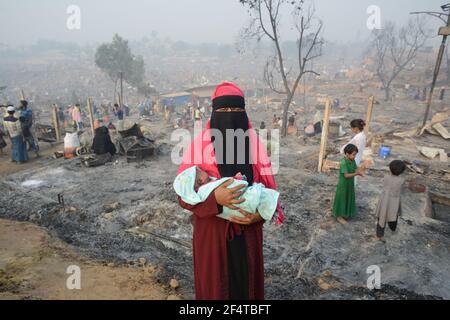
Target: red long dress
column 210, row 252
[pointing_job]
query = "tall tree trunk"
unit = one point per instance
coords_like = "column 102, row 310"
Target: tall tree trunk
column 387, row 94
column 285, row 113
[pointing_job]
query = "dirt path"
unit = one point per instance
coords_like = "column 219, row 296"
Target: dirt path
column 33, row 265
column 7, row 167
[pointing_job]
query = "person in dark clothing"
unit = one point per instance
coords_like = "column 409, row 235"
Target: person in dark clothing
column 118, row 112
column 26, row 120
column 2, row 140
column 102, row 142
column 442, row 94
column 61, row 115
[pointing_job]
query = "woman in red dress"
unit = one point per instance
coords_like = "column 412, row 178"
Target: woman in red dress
column 228, row 255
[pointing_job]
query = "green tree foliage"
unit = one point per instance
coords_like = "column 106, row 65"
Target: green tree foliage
column 116, row 57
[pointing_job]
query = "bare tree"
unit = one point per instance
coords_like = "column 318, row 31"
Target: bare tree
column 395, row 50
column 281, row 74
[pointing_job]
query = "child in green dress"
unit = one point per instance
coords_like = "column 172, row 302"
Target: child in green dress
column 344, row 205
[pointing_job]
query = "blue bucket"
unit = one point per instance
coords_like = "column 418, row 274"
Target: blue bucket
column 384, row 152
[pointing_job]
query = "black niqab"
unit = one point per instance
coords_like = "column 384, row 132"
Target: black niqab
column 224, row 121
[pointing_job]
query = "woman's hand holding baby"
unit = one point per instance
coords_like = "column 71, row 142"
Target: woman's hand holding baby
column 248, row 218
column 229, row 197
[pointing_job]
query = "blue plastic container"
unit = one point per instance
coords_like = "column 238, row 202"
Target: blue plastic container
column 385, row 152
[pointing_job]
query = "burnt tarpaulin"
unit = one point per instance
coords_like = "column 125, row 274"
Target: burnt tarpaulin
column 134, row 145
column 45, row 133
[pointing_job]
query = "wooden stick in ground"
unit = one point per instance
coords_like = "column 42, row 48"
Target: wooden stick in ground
column 369, row 114
column 324, row 139
column 56, row 123
column 118, row 99
column 91, row 114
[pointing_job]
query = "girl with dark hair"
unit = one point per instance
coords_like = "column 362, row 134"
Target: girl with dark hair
column 359, row 140
column 344, row 205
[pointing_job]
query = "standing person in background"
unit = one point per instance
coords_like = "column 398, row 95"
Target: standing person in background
column 424, row 94
column 105, row 111
column 26, row 120
column 68, row 115
column 442, row 94
column 62, row 117
column 94, row 110
column 77, row 117
column 14, row 129
column 291, row 120
column 118, row 111
column 274, row 120
column 198, row 124
column 2, row 139
column 126, row 110
column 280, row 122
column 141, row 109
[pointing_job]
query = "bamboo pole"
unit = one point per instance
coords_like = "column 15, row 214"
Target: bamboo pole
column 56, row 123
column 324, row 139
column 121, row 90
column 91, row 115
column 369, row 114
column 118, row 99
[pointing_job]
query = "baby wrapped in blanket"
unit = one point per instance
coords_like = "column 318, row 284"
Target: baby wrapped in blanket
column 194, row 186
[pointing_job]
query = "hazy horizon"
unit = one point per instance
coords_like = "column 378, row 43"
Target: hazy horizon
column 193, row 21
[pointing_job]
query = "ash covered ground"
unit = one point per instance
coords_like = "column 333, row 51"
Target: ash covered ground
column 125, row 211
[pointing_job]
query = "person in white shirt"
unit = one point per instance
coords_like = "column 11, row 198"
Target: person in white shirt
column 359, row 140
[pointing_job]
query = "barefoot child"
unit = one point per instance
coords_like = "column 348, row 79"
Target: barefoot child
column 344, row 205
column 389, row 205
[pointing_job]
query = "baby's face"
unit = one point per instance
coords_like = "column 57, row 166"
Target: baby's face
column 201, row 178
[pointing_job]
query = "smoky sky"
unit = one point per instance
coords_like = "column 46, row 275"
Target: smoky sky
column 26, row 21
